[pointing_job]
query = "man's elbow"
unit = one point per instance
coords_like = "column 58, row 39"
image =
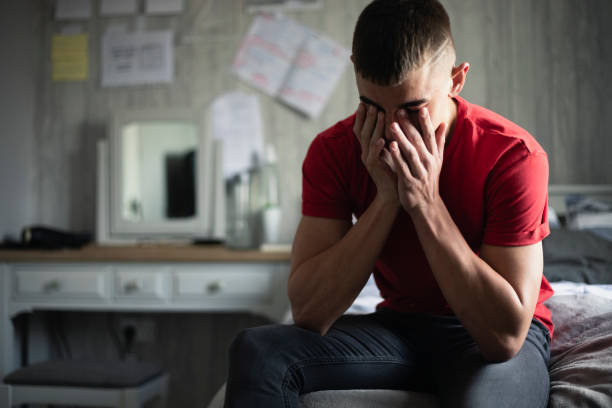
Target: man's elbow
column 308, row 322
column 502, row 350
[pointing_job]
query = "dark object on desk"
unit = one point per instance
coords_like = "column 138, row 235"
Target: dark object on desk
column 42, row 237
column 207, row 241
column 9, row 243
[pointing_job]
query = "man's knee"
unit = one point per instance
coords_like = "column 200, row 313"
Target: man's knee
column 252, row 342
column 260, row 349
column 473, row 382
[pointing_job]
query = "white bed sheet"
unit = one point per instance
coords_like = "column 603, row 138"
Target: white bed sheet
column 370, row 296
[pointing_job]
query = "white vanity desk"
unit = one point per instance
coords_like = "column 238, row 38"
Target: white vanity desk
column 145, row 278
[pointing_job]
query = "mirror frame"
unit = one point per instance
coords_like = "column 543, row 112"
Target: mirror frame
column 208, row 194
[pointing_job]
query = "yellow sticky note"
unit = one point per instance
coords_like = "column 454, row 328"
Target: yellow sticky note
column 69, row 57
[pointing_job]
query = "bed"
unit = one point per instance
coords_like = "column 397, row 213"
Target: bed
column 578, row 263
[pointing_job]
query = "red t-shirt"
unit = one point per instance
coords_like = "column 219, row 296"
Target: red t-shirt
column 494, row 181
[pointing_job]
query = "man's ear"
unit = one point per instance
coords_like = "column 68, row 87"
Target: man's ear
column 458, row 75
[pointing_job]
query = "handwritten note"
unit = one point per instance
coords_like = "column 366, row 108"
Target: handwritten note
column 142, row 57
column 69, row 57
column 236, row 121
column 318, row 67
column 285, row 59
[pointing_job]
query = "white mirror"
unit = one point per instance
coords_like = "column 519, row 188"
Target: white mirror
column 159, row 171
column 165, row 179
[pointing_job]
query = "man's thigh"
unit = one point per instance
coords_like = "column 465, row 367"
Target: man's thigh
column 359, row 351
column 465, row 379
column 363, row 352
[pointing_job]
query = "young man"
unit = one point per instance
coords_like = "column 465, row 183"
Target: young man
column 451, row 208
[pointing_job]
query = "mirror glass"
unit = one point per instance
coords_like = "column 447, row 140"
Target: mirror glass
column 158, row 170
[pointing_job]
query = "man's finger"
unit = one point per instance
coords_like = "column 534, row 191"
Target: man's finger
column 368, row 125
column 386, row 157
column 412, row 134
column 379, row 127
column 359, row 118
column 375, row 144
column 401, row 167
column 409, row 152
column 399, row 136
column 441, row 138
column 427, row 130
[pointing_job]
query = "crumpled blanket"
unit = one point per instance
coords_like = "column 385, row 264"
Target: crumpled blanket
column 581, row 351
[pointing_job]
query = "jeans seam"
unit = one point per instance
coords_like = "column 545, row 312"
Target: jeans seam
column 547, row 394
column 330, row 360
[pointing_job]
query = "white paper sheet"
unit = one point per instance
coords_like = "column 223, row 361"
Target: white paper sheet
column 317, row 69
column 164, row 6
column 117, row 7
column 283, row 58
column 267, row 52
column 143, row 57
column 256, row 6
column 236, row 121
column 72, row 9
column 70, row 57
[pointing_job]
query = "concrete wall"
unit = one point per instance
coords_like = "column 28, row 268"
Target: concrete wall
column 539, row 62
column 19, row 74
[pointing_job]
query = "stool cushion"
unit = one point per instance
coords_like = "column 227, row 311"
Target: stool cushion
column 85, row 373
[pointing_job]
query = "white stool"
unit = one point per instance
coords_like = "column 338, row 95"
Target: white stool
column 354, row 399
column 120, row 384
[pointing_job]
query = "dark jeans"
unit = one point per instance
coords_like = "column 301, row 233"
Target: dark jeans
column 270, row 366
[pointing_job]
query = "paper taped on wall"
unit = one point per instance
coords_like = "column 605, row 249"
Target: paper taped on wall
column 142, row 57
column 69, row 57
column 236, row 121
column 290, row 61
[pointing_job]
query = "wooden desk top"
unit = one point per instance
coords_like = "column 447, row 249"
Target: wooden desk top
column 145, row 253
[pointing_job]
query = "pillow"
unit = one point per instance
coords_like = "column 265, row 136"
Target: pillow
column 577, row 256
column 586, row 213
column 577, row 246
column 605, row 233
column 553, row 219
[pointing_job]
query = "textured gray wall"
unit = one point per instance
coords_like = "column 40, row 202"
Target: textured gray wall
column 72, row 115
column 539, row 62
column 542, row 63
column 19, row 49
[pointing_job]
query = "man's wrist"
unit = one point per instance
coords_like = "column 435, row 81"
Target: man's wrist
column 388, row 201
column 428, row 211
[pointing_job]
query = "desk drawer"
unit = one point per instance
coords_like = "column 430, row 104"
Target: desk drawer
column 139, row 283
column 56, row 281
column 224, row 282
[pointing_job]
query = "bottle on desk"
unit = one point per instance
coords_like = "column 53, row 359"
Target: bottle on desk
column 253, row 205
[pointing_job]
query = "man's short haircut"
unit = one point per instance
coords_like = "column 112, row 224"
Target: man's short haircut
column 394, row 37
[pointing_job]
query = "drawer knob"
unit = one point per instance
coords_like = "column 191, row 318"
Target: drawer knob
column 214, row 287
column 51, row 286
column 131, row 287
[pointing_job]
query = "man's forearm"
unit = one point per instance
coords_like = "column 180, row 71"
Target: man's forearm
column 323, row 287
column 486, row 303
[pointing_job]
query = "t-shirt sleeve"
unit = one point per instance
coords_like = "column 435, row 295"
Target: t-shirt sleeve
column 517, row 201
column 324, row 186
